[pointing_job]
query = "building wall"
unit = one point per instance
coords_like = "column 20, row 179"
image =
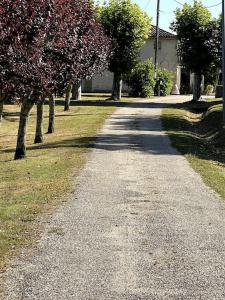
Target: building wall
column 102, row 83
column 167, row 58
column 167, row 54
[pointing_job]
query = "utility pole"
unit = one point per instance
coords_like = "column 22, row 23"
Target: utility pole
column 223, row 54
column 157, row 43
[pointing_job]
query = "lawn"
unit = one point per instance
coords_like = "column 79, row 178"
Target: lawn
column 197, row 131
column 39, row 183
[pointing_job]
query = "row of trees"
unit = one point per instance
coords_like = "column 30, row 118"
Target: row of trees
column 200, row 41
column 129, row 28
column 48, row 46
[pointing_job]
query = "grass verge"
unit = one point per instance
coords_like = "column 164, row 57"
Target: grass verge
column 196, row 130
column 39, row 183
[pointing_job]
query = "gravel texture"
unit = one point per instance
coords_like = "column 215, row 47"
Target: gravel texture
column 141, row 224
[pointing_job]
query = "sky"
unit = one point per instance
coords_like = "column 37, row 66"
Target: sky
column 168, row 6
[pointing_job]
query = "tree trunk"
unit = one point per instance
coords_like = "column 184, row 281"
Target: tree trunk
column 117, row 87
column 68, row 97
column 202, row 84
column 51, row 122
column 1, row 107
column 76, row 91
column 21, row 137
column 197, row 87
column 2, row 98
column 39, row 124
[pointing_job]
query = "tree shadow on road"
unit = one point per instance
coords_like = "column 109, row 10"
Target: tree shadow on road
column 134, row 131
column 139, row 132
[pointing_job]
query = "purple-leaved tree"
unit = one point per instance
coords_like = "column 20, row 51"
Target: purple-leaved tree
column 44, row 45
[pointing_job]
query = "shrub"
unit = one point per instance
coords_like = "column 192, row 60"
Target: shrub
column 166, row 79
column 141, row 79
column 209, row 89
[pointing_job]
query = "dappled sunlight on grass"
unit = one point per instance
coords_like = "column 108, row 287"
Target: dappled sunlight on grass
column 40, row 182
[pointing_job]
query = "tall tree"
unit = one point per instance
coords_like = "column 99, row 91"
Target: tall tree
column 91, row 54
column 24, row 73
column 193, row 27
column 216, row 48
column 129, row 29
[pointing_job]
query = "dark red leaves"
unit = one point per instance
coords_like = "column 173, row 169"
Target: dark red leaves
column 47, row 43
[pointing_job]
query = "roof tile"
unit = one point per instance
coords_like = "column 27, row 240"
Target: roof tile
column 162, row 33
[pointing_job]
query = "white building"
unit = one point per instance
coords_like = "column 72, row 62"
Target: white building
column 167, row 58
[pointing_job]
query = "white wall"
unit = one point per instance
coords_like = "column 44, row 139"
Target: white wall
column 167, row 55
column 167, row 58
column 102, row 83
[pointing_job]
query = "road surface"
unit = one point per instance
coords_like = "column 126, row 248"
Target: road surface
column 141, row 224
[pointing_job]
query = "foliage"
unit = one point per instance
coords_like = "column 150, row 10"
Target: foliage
column 85, row 49
column 215, row 46
column 166, row 78
column 210, row 75
column 23, row 27
column 194, row 31
column 129, row 29
column 216, row 41
column 209, row 89
column 141, row 79
column 45, row 43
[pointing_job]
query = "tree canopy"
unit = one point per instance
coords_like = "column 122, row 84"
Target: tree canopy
column 216, row 41
column 128, row 27
column 45, row 44
column 192, row 25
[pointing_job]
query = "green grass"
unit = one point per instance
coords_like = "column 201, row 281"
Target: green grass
column 36, row 185
column 196, row 130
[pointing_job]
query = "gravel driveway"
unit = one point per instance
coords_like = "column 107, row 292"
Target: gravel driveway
column 141, row 224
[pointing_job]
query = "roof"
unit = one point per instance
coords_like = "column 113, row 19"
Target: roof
column 162, row 33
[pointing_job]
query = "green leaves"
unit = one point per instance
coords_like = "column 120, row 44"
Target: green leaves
column 192, row 25
column 141, row 79
column 142, row 83
column 167, row 81
column 129, row 28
